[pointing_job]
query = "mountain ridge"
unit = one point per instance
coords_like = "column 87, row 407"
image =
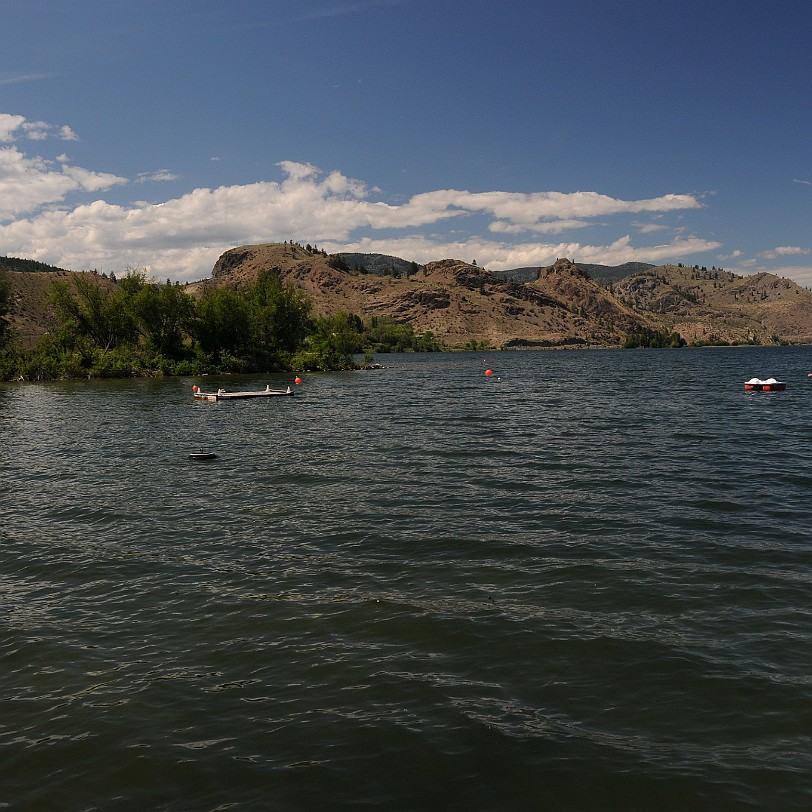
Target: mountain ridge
column 464, row 305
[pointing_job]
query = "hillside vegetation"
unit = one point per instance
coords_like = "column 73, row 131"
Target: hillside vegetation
column 101, row 327
column 562, row 305
column 382, row 305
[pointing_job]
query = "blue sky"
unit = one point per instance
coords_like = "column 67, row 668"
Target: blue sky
column 158, row 133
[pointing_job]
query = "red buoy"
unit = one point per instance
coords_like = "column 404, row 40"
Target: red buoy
column 489, row 372
column 297, row 379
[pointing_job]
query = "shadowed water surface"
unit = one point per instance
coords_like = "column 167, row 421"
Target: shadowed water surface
column 581, row 583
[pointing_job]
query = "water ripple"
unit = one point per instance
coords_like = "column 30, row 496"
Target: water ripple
column 582, row 585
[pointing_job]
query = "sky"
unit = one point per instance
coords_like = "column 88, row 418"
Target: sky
column 157, row 134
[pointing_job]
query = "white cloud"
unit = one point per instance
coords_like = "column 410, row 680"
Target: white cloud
column 32, row 130
column 540, row 211
column 181, row 238
column 785, row 251
column 27, row 184
column 9, row 124
column 499, row 256
column 17, row 78
column 650, row 228
column 36, row 130
column 42, row 130
column 158, row 176
column 802, row 274
column 554, row 227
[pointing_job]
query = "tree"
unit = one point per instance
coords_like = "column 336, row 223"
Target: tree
column 331, row 343
column 162, row 314
column 91, row 313
column 222, row 325
column 279, row 318
column 646, row 337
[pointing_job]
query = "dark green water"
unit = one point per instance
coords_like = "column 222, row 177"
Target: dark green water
column 580, row 584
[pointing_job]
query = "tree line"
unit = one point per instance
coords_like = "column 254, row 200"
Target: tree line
column 134, row 326
column 646, row 337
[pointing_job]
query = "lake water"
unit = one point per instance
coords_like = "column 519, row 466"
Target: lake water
column 581, row 583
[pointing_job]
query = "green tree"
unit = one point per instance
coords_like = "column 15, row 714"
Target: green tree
column 87, row 311
column 331, row 343
column 646, row 337
column 279, row 318
column 223, row 325
column 162, row 314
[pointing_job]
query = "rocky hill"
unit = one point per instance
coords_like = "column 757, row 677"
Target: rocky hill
column 457, row 301
column 705, row 305
column 562, row 305
column 382, row 264
column 605, row 274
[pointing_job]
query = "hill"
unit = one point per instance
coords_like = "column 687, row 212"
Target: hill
column 608, row 274
column 561, row 305
column 456, row 301
column 718, row 305
column 605, row 274
column 380, row 264
column 29, row 314
column 521, row 275
column 25, row 265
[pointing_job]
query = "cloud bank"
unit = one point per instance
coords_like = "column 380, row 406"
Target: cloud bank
column 53, row 211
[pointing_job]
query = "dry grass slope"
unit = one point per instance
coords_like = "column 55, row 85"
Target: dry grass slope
column 460, row 302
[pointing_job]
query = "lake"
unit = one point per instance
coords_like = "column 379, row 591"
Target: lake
column 580, row 583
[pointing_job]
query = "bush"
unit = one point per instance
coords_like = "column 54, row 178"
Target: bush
column 653, row 338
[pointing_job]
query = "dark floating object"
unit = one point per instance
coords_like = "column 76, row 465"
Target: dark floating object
column 202, row 455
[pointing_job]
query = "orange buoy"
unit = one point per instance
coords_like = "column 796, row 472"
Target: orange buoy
column 489, row 372
column 194, row 387
column 297, row 379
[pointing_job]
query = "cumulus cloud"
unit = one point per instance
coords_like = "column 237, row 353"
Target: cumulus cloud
column 785, row 251
column 499, row 256
column 12, row 126
column 51, row 211
column 27, row 184
column 42, row 130
column 9, row 124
